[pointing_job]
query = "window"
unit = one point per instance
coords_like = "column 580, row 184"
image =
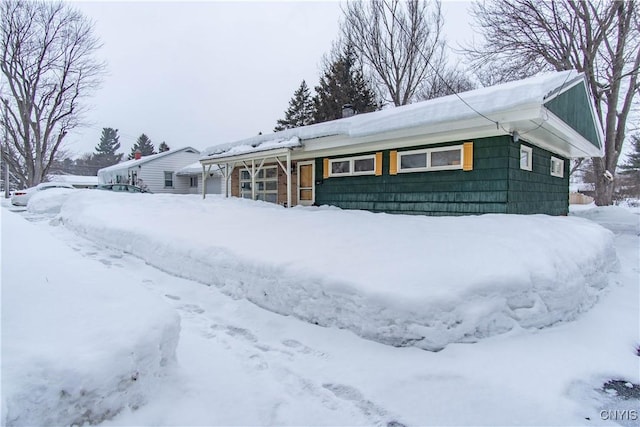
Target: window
column 266, row 184
column 430, row 159
column 193, row 181
column 168, row 179
column 526, row 158
column 557, row 167
column 361, row 165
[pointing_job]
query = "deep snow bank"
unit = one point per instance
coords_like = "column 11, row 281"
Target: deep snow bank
column 50, row 201
column 80, row 342
column 401, row 280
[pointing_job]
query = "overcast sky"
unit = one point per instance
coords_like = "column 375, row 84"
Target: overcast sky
column 204, row 73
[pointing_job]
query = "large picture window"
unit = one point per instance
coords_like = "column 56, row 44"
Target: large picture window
column 430, row 159
column 349, row 166
column 266, row 184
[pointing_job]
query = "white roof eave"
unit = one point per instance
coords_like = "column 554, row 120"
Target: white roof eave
column 254, row 155
column 463, row 129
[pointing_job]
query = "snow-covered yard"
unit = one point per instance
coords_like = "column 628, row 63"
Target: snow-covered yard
column 550, row 324
column 395, row 279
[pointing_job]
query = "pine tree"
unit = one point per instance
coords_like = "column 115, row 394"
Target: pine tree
column 342, row 83
column 300, row 111
column 163, row 147
column 105, row 152
column 144, row 145
column 630, row 170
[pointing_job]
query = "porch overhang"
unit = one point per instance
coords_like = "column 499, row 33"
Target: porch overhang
column 252, row 162
column 224, row 158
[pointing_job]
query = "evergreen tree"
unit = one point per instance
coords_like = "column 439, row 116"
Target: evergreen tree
column 630, row 171
column 300, row 111
column 163, row 147
column 105, row 152
column 342, row 83
column 144, row 145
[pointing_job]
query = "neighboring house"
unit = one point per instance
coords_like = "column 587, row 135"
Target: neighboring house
column 193, row 172
column 156, row 173
column 78, row 181
column 501, row 149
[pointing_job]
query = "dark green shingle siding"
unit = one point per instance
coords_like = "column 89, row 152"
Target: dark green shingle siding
column 573, row 107
column 482, row 190
column 537, row 191
column 495, row 185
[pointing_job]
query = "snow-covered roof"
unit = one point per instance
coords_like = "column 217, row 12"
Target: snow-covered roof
column 196, row 169
column 75, row 179
column 487, row 105
column 131, row 163
column 252, row 145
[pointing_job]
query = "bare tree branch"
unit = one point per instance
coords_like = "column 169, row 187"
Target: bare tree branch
column 599, row 38
column 48, row 63
column 399, row 42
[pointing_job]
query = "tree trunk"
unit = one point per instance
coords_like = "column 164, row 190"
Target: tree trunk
column 604, row 186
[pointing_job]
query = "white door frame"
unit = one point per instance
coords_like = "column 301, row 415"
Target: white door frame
column 313, row 181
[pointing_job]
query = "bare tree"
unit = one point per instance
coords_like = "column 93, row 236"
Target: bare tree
column 48, row 65
column 399, row 41
column 447, row 82
column 599, row 38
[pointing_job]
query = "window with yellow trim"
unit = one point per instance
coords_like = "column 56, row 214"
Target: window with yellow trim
column 430, row 159
column 350, row 166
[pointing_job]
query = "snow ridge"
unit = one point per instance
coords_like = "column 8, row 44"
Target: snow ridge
column 428, row 283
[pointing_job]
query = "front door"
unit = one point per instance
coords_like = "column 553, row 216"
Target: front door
column 306, row 188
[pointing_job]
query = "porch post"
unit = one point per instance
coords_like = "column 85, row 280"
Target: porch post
column 204, row 183
column 288, row 172
column 226, row 175
column 253, row 179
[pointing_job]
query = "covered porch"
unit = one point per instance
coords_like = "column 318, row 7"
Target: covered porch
column 268, row 175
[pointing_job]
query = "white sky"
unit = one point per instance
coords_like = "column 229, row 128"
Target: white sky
column 203, row 73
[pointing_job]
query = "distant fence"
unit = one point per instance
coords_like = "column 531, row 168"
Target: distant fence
column 579, row 199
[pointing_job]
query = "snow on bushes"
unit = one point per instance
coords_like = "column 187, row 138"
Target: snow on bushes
column 400, row 280
column 80, row 342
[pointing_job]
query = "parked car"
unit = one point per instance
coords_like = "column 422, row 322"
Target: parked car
column 122, row 187
column 21, row 197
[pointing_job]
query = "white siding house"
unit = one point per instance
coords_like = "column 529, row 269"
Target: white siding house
column 193, row 173
column 156, row 173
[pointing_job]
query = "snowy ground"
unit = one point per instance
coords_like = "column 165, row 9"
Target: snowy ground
column 238, row 364
column 79, row 342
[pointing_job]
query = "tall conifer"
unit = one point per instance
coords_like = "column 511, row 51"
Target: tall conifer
column 144, row 145
column 343, row 83
column 300, row 111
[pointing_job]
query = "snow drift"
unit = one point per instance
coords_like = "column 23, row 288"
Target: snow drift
column 80, row 342
column 400, row 280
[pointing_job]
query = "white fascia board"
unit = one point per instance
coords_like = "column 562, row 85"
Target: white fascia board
column 566, row 86
column 326, row 148
column 468, row 129
column 580, row 146
column 265, row 154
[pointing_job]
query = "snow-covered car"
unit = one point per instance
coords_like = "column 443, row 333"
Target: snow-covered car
column 21, row 197
column 125, row 188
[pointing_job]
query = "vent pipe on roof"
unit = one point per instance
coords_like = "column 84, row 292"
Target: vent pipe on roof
column 348, row 110
column 137, row 155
